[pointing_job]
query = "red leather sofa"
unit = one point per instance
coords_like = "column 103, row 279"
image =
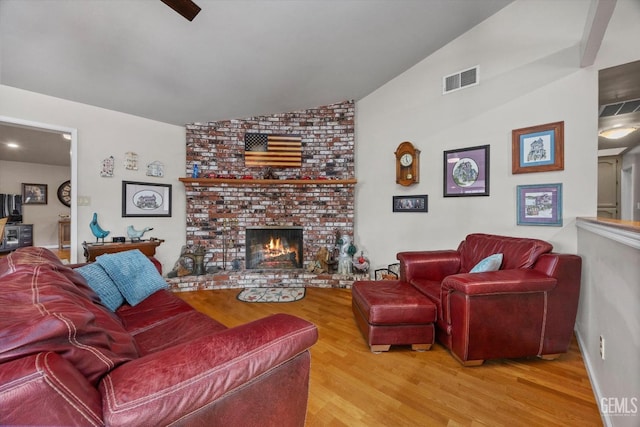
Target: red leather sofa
column 66, row 360
column 526, row 308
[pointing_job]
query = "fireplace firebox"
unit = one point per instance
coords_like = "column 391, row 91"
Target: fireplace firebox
column 273, row 247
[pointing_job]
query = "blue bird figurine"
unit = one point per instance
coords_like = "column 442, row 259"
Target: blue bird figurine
column 137, row 234
column 96, row 229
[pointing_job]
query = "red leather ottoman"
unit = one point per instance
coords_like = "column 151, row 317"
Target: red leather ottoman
column 392, row 312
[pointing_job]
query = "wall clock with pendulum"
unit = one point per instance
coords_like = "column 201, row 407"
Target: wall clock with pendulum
column 407, row 164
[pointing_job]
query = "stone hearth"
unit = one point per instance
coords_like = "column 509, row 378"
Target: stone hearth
column 263, row 279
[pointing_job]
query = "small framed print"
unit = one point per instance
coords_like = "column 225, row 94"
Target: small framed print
column 538, row 148
column 34, row 194
column 145, row 199
column 410, row 203
column 540, row 204
column 466, row 172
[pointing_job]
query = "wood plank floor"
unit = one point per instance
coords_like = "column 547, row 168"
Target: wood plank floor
column 350, row 386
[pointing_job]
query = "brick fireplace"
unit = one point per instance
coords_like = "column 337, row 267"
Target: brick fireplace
column 229, row 197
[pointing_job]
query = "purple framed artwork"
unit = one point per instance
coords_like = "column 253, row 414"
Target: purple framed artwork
column 540, row 204
column 466, row 172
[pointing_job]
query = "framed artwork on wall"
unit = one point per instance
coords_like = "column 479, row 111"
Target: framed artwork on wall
column 466, row 172
column 538, row 148
column 143, row 199
column 410, row 203
column 34, row 194
column 539, row 204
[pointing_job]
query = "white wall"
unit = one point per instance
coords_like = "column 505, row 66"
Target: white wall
column 43, row 217
column 103, row 133
column 528, row 55
column 610, row 296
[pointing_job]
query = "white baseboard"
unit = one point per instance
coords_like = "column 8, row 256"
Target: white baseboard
column 606, row 420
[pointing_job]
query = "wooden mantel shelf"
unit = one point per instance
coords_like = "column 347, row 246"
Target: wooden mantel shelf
column 208, row 181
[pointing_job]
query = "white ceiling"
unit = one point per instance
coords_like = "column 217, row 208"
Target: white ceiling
column 237, row 59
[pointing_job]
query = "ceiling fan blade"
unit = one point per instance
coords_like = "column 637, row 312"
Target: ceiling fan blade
column 186, row 8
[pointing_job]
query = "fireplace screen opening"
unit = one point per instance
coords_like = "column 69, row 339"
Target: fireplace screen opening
column 273, row 247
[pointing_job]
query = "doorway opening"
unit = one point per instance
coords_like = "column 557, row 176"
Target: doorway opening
column 36, row 149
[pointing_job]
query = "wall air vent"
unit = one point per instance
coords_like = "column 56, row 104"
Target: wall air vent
column 618, row 108
column 461, row 80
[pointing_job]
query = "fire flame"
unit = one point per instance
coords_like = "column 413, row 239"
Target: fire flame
column 275, row 248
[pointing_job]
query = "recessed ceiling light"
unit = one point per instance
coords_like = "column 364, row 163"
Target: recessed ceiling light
column 617, row 132
column 12, row 145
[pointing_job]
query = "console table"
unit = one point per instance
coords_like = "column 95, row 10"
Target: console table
column 64, row 233
column 147, row 247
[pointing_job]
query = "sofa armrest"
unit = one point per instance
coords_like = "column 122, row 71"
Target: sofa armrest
column 45, row 384
column 499, row 282
column 429, row 265
column 166, row 386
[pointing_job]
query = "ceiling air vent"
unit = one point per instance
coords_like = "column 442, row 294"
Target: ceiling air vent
column 461, row 80
column 620, row 108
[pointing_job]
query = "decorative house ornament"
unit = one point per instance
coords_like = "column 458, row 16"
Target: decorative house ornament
column 107, row 167
column 407, row 164
column 156, row 169
column 131, row 161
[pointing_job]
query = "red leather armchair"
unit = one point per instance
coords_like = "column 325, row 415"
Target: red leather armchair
column 66, row 360
column 526, row 308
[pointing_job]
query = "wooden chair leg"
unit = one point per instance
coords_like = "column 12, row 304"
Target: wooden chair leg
column 420, row 347
column 379, row 348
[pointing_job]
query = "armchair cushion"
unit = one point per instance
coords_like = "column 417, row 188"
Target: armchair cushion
column 517, row 252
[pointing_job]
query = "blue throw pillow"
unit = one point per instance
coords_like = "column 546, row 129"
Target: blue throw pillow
column 490, row 263
column 133, row 273
column 101, row 283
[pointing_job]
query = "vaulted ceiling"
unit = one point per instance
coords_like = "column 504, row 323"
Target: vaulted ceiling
column 237, row 59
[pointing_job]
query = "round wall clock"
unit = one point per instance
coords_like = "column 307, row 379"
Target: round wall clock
column 64, row 193
column 407, row 164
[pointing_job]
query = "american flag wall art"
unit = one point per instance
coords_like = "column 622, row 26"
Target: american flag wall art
column 261, row 149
